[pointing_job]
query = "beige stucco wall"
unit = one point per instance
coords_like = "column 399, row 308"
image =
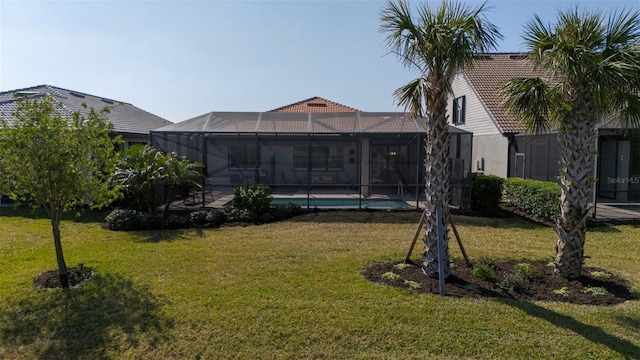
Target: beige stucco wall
column 494, row 149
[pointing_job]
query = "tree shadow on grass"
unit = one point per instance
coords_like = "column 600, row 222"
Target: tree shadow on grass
column 164, row 235
column 104, row 316
column 78, row 216
column 592, row 333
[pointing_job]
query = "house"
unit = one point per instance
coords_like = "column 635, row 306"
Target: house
column 501, row 147
column 132, row 123
column 315, row 145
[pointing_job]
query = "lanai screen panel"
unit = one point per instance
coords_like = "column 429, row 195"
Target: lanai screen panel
column 311, row 152
column 299, row 123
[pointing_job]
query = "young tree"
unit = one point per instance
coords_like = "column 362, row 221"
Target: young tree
column 437, row 43
column 593, row 66
column 56, row 162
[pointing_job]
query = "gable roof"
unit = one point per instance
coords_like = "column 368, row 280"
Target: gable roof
column 125, row 117
column 487, row 75
column 315, row 104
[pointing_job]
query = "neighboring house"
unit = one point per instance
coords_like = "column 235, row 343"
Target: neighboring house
column 476, row 107
column 132, row 123
column 501, row 147
column 315, row 145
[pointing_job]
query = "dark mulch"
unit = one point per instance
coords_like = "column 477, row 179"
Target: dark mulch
column 51, row 279
column 462, row 283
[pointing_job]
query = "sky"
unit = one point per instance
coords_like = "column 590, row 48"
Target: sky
column 181, row 59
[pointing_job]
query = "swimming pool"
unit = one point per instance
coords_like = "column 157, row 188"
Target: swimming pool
column 629, row 207
column 346, row 203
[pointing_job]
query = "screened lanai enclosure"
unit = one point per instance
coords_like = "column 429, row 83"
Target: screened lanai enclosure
column 315, row 158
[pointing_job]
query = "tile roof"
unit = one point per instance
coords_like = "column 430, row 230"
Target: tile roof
column 315, row 105
column 125, row 117
column 489, row 73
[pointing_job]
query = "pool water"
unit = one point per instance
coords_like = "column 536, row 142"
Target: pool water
column 345, row 203
column 635, row 208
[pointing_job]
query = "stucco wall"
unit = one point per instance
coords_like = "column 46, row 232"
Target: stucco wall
column 494, row 149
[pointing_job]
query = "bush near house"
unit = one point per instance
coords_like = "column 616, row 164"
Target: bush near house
column 539, row 199
column 255, row 198
column 486, row 192
column 131, row 220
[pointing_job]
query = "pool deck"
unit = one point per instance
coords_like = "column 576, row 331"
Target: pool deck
column 606, row 212
column 226, row 198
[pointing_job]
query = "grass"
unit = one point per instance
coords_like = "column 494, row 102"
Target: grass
column 293, row 290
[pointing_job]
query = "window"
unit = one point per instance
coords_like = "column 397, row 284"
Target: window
column 243, row 156
column 323, row 157
column 459, row 110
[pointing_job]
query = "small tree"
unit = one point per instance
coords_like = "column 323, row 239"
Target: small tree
column 56, row 162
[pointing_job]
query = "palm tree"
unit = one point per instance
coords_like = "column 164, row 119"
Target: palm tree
column 437, row 43
column 138, row 172
column 177, row 172
column 592, row 62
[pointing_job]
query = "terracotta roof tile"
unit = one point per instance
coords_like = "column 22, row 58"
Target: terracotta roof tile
column 489, row 73
column 315, row 105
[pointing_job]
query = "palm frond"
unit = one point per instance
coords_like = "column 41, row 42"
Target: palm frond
column 530, row 100
column 413, row 96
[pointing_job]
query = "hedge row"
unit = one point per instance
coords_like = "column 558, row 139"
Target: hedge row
column 540, row 199
column 127, row 220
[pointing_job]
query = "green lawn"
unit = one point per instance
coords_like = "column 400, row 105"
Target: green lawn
column 293, row 290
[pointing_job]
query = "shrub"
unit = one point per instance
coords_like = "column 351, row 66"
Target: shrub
column 595, row 290
column 199, row 217
column 240, row 215
column 484, row 272
column 175, row 222
column 150, row 221
column 539, row 199
column 123, row 220
column 216, row 217
column 486, row 192
column 485, row 269
column 390, row 275
column 255, row 198
column 525, row 270
column 286, row 211
column 267, row 218
column 514, row 282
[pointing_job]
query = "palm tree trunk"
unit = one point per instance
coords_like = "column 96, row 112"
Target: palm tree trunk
column 171, row 194
column 62, row 266
column 437, row 185
column 577, row 143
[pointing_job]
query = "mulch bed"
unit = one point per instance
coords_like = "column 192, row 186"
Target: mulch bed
column 51, row 279
column 462, row 283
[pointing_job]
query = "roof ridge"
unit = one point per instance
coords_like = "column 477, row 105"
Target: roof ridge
column 86, row 94
column 313, row 98
column 23, row 89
